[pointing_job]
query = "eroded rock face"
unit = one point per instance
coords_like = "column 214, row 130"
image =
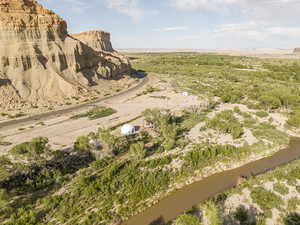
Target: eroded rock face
column 100, row 42
column 297, row 50
column 40, row 61
column 97, row 39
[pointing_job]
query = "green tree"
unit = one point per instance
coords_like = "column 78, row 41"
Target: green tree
column 32, row 149
column 82, row 143
column 169, row 133
column 107, row 138
column 187, row 219
column 137, row 150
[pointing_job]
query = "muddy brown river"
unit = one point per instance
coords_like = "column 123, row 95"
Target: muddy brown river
column 184, row 199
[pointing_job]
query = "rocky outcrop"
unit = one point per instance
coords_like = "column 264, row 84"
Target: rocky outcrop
column 97, row 39
column 100, row 42
column 297, row 50
column 40, row 61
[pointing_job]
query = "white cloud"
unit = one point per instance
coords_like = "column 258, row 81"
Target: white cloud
column 256, row 32
column 245, row 31
column 272, row 11
column 189, row 37
column 127, row 7
column 78, row 6
column 290, row 32
column 262, row 22
column 168, row 29
column 200, row 4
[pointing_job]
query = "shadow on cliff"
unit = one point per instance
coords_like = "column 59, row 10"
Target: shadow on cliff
column 91, row 63
column 4, row 82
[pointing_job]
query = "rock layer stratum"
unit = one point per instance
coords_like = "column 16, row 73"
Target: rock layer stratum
column 40, row 61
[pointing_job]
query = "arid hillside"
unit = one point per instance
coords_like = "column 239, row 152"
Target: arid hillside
column 41, row 62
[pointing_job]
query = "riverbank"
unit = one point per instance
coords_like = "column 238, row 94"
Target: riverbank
column 267, row 199
column 185, row 195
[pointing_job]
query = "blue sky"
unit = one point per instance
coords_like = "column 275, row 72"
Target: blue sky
column 201, row 24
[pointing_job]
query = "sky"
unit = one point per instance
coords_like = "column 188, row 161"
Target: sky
column 197, row 24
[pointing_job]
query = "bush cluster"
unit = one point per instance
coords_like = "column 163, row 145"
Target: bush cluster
column 226, row 122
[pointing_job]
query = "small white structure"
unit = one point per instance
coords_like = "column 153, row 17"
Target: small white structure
column 127, row 130
column 185, row 94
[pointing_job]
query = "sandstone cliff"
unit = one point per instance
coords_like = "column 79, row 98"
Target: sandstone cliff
column 40, row 61
column 98, row 40
column 297, row 50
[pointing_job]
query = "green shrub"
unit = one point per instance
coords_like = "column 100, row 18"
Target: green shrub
column 137, row 150
column 262, row 114
column 265, row 199
column 118, row 145
column 241, row 215
column 148, row 90
column 6, row 167
column 100, row 112
column 34, row 148
column 294, row 119
column 5, row 143
column 96, row 113
column 82, row 143
column 121, row 146
column 157, row 117
column 154, row 163
column 107, row 137
column 280, row 188
column 164, row 123
column 212, row 212
column 102, row 163
column 298, row 189
column 169, row 133
column 293, row 204
column 292, row 219
column 187, row 219
column 226, row 122
column 17, row 115
column 22, row 216
column 270, row 102
column 203, row 155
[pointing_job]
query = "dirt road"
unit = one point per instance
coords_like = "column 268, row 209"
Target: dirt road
column 62, row 131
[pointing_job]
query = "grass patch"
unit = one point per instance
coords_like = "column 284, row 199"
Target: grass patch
column 18, row 115
column 148, row 90
column 280, row 188
column 5, row 143
column 265, row 199
column 96, row 113
column 160, row 97
column 261, row 114
column 226, row 122
column 293, row 204
column 187, row 219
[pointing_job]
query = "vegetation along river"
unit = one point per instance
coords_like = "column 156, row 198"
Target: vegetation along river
column 184, row 199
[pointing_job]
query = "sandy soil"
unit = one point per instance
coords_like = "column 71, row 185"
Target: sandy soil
column 62, row 131
column 105, row 88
